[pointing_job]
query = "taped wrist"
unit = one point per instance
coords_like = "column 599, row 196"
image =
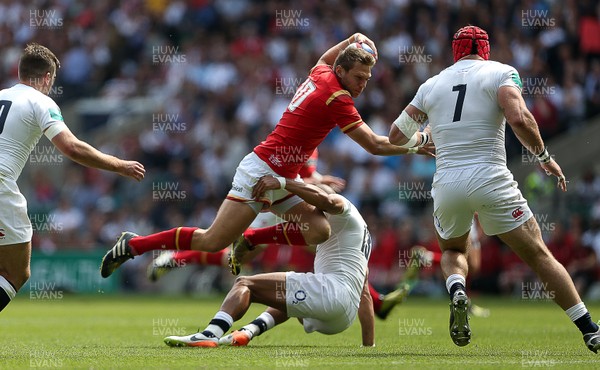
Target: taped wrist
column 282, row 182
column 544, row 156
column 424, row 139
column 409, row 127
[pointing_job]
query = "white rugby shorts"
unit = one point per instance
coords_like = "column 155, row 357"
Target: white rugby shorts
column 247, row 174
column 15, row 226
column 491, row 191
column 324, row 303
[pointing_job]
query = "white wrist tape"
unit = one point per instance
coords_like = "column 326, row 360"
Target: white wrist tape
column 406, row 124
column 412, row 142
column 544, row 157
column 413, row 150
column 282, row 182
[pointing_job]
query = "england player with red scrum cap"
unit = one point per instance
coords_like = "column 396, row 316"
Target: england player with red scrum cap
column 468, row 105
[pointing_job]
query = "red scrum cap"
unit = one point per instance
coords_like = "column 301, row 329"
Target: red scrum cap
column 470, row 40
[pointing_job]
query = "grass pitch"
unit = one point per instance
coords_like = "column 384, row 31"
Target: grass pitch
column 121, row 332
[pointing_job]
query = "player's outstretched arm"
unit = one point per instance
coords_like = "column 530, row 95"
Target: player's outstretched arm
column 329, row 56
column 381, row 145
column 330, row 203
column 526, row 129
column 405, row 129
column 366, row 316
column 85, row 154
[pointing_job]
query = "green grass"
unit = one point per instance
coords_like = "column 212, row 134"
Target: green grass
column 122, row 332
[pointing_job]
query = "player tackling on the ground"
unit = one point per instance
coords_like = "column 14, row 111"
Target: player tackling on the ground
column 167, row 261
column 326, row 301
column 324, row 101
column 467, row 105
column 27, row 113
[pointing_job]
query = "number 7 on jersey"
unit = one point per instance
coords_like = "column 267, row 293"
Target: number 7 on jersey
column 4, row 107
column 462, row 90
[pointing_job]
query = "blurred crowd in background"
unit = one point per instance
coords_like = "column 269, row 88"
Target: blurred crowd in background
column 224, row 71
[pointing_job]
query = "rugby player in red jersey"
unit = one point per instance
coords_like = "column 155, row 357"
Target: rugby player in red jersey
column 323, row 102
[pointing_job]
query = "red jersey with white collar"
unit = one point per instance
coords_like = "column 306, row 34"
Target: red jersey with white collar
column 319, row 105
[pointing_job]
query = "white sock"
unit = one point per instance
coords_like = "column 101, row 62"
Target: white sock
column 7, row 287
column 455, row 278
column 254, row 329
column 576, row 311
column 268, row 319
column 251, row 328
column 216, row 329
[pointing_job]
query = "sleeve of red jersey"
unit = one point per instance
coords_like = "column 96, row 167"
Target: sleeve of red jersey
column 310, row 166
column 343, row 112
column 320, row 69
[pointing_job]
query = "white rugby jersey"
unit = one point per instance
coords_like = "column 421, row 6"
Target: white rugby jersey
column 348, row 249
column 461, row 102
column 25, row 113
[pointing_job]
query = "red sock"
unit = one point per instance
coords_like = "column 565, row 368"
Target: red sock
column 178, row 238
column 437, row 257
column 289, row 233
column 377, row 301
column 182, row 258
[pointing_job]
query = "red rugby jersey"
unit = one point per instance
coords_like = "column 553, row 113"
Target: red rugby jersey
column 319, row 105
column 308, row 168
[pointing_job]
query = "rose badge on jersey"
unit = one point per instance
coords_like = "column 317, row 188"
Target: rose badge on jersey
column 299, row 296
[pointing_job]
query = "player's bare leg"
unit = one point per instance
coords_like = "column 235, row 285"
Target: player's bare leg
column 455, row 269
column 14, row 270
column 232, row 219
column 267, row 289
column 454, row 255
column 526, row 241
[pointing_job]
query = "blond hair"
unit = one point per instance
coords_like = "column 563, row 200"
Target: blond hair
column 350, row 56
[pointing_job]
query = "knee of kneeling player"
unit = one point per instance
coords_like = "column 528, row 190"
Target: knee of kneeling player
column 24, row 277
column 242, row 282
column 17, row 279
